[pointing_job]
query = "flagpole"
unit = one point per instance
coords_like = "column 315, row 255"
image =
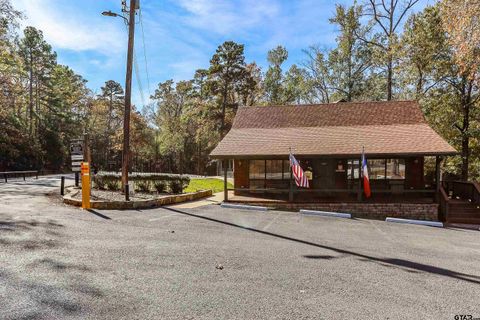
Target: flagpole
column 290, row 189
column 360, row 165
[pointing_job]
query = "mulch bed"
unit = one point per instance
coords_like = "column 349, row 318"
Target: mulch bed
column 107, row 195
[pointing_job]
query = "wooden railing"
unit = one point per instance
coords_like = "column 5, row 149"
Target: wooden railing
column 462, row 190
column 16, row 174
column 444, row 204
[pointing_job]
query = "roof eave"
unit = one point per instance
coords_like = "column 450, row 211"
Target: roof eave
column 345, row 155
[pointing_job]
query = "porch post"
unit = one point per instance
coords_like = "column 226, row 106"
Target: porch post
column 225, row 184
column 438, row 160
column 359, row 194
column 290, row 189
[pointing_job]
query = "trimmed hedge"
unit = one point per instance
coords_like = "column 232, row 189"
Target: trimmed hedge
column 145, row 181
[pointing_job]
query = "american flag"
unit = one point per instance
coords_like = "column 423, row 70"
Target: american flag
column 298, row 174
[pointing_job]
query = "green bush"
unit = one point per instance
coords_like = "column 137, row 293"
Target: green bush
column 176, row 186
column 113, row 185
column 160, row 186
column 100, row 184
column 144, row 181
column 143, row 186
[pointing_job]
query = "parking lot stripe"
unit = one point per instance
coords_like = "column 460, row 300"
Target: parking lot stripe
column 271, row 222
column 159, row 218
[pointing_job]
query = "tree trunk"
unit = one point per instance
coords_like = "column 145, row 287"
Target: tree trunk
column 224, row 109
column 419, row 88
column 30, row 95
column 465, row 156
column 389, row 79
column 466, row 102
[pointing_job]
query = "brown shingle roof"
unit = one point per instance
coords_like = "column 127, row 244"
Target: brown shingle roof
column 384, row 128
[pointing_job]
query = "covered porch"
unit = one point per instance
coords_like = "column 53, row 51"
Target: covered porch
column 393, row 179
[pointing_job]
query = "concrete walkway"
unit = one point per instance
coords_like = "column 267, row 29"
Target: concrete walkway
column 216, row 198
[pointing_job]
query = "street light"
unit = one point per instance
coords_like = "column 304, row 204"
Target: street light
column 109, row 13
column 128, row 89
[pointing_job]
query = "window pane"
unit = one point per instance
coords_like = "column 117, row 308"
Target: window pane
column 376, row 169
column 257, row 184
column 274, row 169
column 396, row 169
column 286, row 169
column 257, row 169
column 352, row 172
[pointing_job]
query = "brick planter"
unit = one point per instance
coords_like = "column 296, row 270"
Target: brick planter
column 140, row 204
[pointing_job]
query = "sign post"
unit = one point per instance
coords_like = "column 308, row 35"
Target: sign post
column 76, row 151
column 85, row 170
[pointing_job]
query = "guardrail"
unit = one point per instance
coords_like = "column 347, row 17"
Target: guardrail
column 16, row 174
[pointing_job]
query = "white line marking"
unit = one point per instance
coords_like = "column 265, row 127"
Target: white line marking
column 271, row 222
column 242, row 207
column 168, row 215
column 326, row 214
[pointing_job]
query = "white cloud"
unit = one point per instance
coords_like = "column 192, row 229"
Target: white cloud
column 228, row 17
column 66, row 29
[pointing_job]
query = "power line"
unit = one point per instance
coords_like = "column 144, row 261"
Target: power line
column 140, row 15
column 137, row 77
column 137, row 73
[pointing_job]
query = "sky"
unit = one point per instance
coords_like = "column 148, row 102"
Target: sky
column 174, row 38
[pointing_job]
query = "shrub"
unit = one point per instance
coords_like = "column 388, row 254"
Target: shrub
column 143, row 186
column 100, row 183
column 176, row 186
column 113, row 185
column 144, row 181
column 160, row 186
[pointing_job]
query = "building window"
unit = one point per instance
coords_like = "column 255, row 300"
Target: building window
column 269, row 170
column 376, row 169
column 352, row 169
column 257, row 169
column 286, row 169
column 396, row 169
column 274, row 169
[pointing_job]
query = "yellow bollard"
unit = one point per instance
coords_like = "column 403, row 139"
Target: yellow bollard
column 85, row 169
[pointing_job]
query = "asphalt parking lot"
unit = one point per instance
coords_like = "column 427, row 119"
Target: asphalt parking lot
column 59, row 262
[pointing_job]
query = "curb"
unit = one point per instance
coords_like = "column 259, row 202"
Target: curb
column 241, row 206
column 417, row 222
column 326, row 214
column 140, row 204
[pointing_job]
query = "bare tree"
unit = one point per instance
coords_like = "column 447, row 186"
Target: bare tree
column 387, row 16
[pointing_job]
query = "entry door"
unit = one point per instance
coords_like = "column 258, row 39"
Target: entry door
column 324, row 173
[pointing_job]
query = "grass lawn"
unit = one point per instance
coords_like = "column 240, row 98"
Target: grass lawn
column 204, row 184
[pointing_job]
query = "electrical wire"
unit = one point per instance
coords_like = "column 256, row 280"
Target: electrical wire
column 135, row 65
column 137, row 77
column 140, row 15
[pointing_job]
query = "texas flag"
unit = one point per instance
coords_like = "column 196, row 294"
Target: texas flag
column 366, row 180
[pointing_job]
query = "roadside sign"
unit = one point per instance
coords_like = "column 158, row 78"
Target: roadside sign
column 76, row 151
column 76, row 148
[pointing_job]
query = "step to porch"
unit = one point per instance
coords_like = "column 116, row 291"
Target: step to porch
column 463, row 212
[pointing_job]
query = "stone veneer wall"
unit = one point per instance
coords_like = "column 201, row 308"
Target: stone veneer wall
column 420, row 211
column 140, row 204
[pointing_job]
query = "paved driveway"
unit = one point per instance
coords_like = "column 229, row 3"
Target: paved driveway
column 60, row 262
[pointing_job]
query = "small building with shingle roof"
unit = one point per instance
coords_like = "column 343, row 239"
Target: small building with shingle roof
column 328, row 139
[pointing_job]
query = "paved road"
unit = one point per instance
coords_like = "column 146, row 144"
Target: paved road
column 59, row 262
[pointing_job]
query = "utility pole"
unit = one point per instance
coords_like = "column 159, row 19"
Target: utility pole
column 134, row 4
column 128, row 99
